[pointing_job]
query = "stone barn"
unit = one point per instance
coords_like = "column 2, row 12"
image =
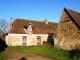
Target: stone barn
column 24, row 32
column 67, row 35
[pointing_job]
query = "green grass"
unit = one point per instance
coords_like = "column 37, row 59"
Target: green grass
column 58, row 54
column 1, row 56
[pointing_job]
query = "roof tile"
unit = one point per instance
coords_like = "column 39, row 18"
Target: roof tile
column 39, row 27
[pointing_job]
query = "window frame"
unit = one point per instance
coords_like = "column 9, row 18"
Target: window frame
column 24, row 40
column 38, row 40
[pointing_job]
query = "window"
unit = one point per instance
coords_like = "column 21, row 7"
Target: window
column 29, row 29
column 38, row 40
column 24, row 40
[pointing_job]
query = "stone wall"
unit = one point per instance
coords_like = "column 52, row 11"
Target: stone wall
column 6, row 39
column 67, row 35
column 16, row 39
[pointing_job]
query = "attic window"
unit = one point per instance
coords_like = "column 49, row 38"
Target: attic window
column 29, row 29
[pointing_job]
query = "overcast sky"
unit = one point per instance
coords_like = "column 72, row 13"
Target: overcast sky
column 36, row 9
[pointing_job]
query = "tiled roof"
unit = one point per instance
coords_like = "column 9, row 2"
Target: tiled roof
column 17, row 30
column 75, row 15
column 43, row 31
column 39, row 27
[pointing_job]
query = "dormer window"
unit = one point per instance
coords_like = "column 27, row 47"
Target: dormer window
column 29, row 29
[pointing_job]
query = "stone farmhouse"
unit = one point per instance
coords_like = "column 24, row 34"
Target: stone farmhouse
column 67, row 35
column 25, row 32
column 64, row 35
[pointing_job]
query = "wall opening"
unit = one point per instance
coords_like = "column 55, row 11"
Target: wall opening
column 24, row 40
column 38, row 40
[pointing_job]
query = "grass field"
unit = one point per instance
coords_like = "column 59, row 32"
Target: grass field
column 52, row 52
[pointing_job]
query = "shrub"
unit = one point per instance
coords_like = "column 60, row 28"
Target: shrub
column 75, row 54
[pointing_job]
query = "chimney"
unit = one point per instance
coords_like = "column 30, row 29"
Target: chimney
column 11, row 23
column 46, row 21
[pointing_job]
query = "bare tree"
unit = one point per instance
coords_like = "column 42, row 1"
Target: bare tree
column 4, row 25
column 3, row 28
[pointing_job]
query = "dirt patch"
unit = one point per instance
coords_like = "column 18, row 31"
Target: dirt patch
column 11, row 55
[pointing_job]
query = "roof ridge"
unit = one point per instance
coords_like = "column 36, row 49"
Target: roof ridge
column 74, row 14
column 32, row 20
column 53, row 22
column 28, row 20
column 71, row 10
